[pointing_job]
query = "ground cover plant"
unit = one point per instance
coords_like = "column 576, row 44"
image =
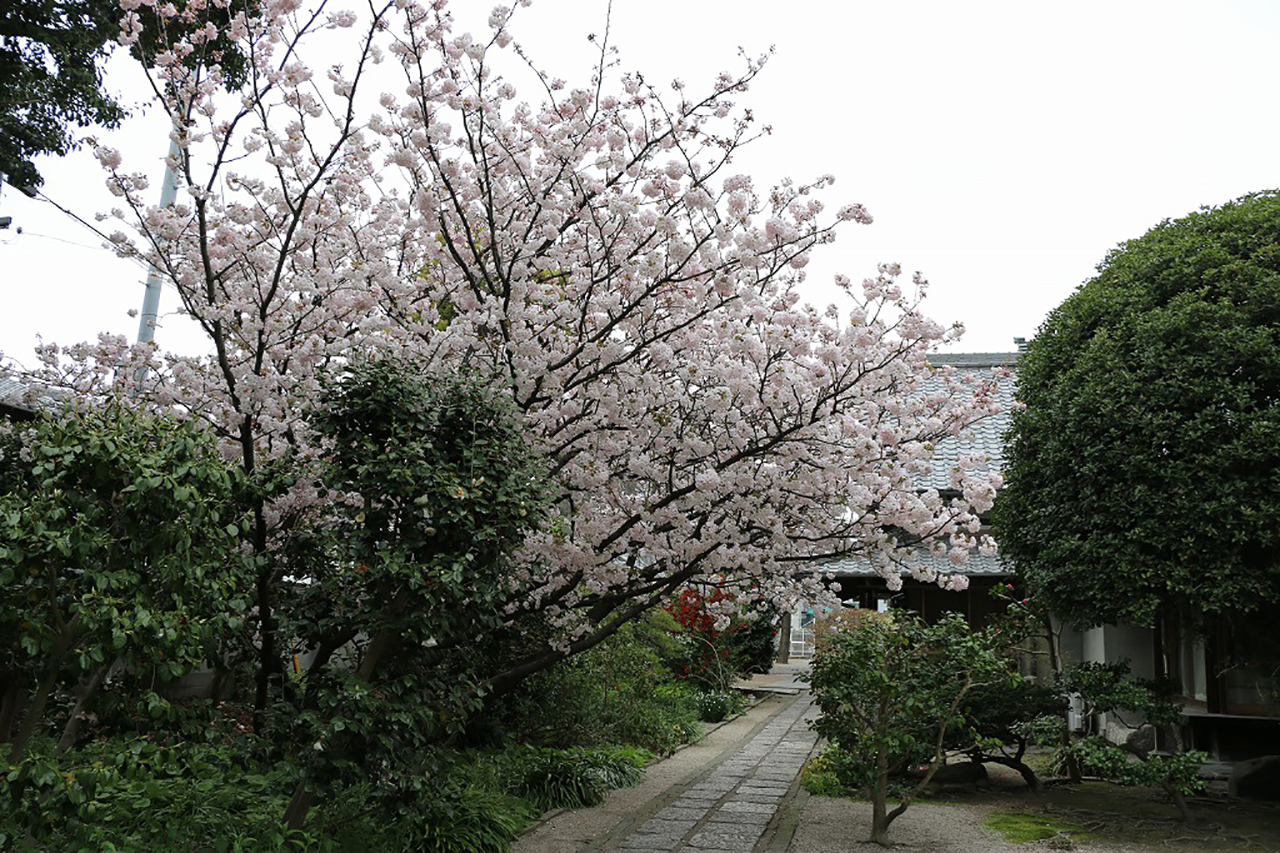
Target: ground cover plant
column 1093, row 815
column 1023, row 828
column 140, row 794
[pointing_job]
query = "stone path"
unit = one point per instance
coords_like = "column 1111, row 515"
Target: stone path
column 729, row 808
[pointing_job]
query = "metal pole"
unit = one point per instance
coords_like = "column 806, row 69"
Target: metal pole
column 151, row 297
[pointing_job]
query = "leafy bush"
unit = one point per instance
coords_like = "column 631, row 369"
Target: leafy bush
column 1005, row 718
column 1179, row 772
column 717, row 705
column 819, row 776
column 142, row 595
column 140, row 795
column 573, row 778
column 471, row 820
column 753, row 643
column 618, row 692
column 1112, row 689
column 118, row 549
column 1151, row 412
column 677, row 716
column 713, row 657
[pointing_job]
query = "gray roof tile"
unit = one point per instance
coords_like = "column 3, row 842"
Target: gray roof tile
column 978, row 565
column 16, row 396
column 13, row 394
column 985, row 437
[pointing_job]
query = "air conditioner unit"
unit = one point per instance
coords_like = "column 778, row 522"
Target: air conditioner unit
column 1075, row 713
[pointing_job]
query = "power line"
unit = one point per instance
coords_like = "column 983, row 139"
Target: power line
column 77, row 217
column 68, row 242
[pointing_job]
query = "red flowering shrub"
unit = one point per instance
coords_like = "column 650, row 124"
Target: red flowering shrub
column 714, row 658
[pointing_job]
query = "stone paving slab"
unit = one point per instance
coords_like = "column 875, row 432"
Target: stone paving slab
column 731, row 807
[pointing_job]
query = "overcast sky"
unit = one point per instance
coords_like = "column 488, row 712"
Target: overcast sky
column 1003, row 147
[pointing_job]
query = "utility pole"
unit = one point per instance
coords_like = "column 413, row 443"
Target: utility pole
column 151, row 297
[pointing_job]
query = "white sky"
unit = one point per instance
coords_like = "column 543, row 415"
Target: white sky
column 1003, row 147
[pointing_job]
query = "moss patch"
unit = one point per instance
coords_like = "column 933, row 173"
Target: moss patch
column 1021, row 828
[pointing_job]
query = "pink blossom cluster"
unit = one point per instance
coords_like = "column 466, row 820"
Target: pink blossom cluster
column 592, row 251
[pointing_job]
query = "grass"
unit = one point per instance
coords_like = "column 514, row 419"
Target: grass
column 1021, row 828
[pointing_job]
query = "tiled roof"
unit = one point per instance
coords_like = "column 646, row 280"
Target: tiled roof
column 16, row 397
column 13, row 394
column 975, row 360
column 985, row 437
column 977, row 565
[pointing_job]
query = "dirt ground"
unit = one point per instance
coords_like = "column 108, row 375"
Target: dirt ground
column 1112, row 819
column 1144, row 819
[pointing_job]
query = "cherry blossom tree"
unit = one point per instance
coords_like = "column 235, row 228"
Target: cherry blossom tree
column 591, row 252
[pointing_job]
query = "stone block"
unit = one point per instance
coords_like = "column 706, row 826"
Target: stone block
column 1258, row 779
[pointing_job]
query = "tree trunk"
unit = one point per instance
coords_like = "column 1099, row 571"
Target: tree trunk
column 1028, row 775
column 1171, row 647
column 1015, row 761
column 879, row 795
column 84, row 692
column 1072, row 766
column 1055, row 663
column 325, row 651
column 268, row 654
column 880, row 790
column 221, row 684
column 1181, row 802
column 299, row 805
column 382, row 644
column 269, row 666
column 378, row 648
column 784, row 639
column 10, row 703
column 35, row 711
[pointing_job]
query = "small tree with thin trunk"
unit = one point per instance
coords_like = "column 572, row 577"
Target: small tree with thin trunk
column 1131, row 701
column 890, row 690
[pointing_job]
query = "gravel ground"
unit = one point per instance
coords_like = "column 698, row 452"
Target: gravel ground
column 842, row 826
column 952, row 824
column 1124, row 820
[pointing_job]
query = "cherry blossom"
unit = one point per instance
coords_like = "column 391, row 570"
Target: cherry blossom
column 589, row 249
